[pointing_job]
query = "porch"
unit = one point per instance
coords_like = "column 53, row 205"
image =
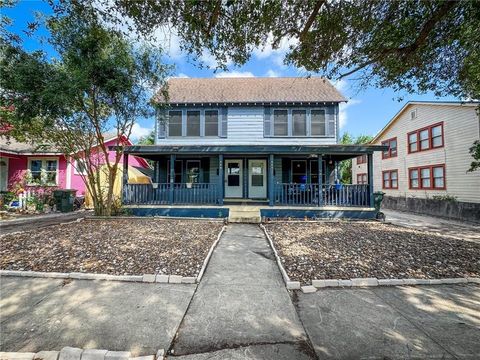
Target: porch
column 292, row 176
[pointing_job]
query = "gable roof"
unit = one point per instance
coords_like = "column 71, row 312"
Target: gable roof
column 422, row 103
column 251, row 90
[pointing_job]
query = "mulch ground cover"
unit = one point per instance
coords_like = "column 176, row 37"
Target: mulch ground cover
column 345, row 250
column 118, row 247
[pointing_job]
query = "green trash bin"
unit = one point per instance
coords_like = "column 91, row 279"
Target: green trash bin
column 64, row 199
column 377, row 200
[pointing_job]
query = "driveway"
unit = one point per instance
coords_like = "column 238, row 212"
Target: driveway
column 456, row 229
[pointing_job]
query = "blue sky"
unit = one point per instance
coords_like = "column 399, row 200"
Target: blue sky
column 366, row 112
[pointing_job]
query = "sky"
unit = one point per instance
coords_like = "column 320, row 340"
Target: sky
column 365, row 113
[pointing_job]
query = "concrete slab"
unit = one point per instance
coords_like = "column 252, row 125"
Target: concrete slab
column 47, row 314
column 241, row 300
column 456, row 229
column 353, row 324
column 393, row 322
column 448, row 314
column 264, row 352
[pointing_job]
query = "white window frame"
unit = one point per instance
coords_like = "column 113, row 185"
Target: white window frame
column 43, row 160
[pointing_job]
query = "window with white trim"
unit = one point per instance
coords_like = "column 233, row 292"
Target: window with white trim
column 43, row 171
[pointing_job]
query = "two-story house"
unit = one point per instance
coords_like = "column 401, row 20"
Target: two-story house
column 263, row 141
column 427, row 157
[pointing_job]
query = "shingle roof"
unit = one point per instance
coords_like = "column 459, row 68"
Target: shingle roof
column 252, row 90
column 13, row 146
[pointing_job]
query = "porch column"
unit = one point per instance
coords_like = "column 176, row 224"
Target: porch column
column 125, row 179
column 221, row 178
column 172, row 178
column 370, row 178
column 155, row 172
column 271, row 180
column 320, row 180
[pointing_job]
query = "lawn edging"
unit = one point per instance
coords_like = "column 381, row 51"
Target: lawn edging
column 145, row 278
column 71, row 353
column 358, row 282
column 209, row 255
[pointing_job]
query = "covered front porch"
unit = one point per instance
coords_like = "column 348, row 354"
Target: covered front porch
column 303, row 176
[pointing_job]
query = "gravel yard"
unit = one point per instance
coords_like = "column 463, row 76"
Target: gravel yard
column 119, row 247
column 345, row 250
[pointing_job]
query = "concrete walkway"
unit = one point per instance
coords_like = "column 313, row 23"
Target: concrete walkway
column 241, row 306
column 455, row 229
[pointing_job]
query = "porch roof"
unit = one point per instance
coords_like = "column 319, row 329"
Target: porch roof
column 344, row 151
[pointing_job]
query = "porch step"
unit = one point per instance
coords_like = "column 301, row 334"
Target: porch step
column 244, row 214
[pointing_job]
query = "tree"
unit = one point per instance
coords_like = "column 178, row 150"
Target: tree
column 148, row 139
column 475, row 152
column 346, row 165
column 410, row 45
column 99, row 83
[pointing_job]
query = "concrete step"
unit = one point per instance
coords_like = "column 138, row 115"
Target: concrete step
column 245, row 220
column 244, row 215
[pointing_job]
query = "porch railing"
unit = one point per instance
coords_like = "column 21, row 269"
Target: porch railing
column 331, row 195
column 166, row 193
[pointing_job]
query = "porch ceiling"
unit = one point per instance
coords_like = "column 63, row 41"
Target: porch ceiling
column 337, row 151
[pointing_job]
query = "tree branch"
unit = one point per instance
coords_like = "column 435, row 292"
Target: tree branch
column 311, row 19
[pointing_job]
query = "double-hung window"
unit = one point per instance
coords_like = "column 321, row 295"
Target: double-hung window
column 43, row 171
column 193, row 123
column 390, row 179
column 362, row 179
column 427, row 138
column 392, row 148
column 211, row 122
column 317, row 119
column 430, row 177
column 299, row 118
column 175, row 123
column 362, row 159
column 280, row 122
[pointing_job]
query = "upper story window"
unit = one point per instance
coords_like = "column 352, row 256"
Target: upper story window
column 175, row 123
column 362, row 179
column 299, row 118
column 427, row 138
column 280, row 122
column 362, row 159
column 299, row 123
column 211, row 122
column 43, row 171
column 392, row 148
column 430, row 177
column 192, row 123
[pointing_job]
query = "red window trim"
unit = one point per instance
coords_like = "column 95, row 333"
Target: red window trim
column 431, row 187
column 430, row 138
column 390, row 153
column 389, row 179
column 362, row 182
column 362, row 159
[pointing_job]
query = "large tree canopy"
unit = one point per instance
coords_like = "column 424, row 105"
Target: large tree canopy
column 417, row 46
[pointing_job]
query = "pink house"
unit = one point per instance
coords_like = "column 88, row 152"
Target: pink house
column 49, row 165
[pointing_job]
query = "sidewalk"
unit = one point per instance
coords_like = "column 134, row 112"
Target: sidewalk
column 242, row 305
column 456, row 229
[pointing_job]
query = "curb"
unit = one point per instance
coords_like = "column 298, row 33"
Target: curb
column 209, row 255
column 124, row 217
column 291, row 285
column 71, row 353
column 359, row 282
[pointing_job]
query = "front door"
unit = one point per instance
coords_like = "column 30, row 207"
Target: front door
column 3, row 174
column 257, row 179
column 233, row 178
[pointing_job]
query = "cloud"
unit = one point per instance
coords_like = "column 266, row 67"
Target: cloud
column 232, row 74
column 341, row 85
column 138, row 131
column 272, row 73
column 343, row 114
column 181, row 75
column 277, row 55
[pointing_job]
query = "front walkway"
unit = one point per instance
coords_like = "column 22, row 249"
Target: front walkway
column 456, row 229
column 242, row 304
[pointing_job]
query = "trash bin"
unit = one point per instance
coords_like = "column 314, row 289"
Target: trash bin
column 377, row 200
column 64, row 199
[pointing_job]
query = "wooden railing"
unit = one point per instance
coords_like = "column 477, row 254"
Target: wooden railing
column 331, row 195
column 161, row 194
